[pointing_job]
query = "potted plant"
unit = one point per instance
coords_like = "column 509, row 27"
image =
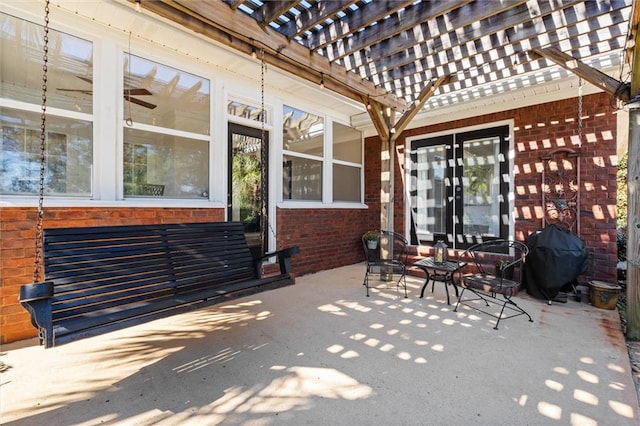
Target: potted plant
column 502, row 272
column 371, row 238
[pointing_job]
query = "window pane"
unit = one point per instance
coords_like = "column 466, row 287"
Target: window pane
column 164, row 165
column 346, row 183
column 431, row 217
column 302, row 132
column 162, row 96
column 69, row 154
column 481, row 183
column 69, row 75
column 347, row 144
column 302, row 179
column 239, row 109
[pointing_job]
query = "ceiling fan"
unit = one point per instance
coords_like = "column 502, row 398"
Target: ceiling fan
column 128, row 93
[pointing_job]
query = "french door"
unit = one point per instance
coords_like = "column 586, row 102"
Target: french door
column 461, row 186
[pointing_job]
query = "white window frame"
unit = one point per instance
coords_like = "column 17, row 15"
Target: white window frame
column 327, row 163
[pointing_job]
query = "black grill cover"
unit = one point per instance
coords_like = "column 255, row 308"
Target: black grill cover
column 556, row 258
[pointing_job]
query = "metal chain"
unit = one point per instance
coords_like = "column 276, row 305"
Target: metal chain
column 43, row 147
column 580, row 83
column 129, row 120
column 263, row 155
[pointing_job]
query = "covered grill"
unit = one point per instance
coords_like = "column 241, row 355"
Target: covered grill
column 556, row 258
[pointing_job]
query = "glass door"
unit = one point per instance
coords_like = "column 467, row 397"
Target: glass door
column 433, row 196
column 245, row 191
column 460, row 187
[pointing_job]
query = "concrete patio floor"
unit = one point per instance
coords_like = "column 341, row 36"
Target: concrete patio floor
column 321, row 353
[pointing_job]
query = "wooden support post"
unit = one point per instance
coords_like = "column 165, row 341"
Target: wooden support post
column 388, row 130
column 633, row 225
column 387, row 187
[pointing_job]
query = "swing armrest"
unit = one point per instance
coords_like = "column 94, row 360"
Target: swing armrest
column 36, row 299
column 284, row 259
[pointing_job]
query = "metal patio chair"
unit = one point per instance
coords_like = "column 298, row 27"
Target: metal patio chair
column 387, row 257
column 492, row 279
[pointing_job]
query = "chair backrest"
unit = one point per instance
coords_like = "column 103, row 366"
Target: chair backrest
column 386, row 241
column 397, row 243
column 498, row 257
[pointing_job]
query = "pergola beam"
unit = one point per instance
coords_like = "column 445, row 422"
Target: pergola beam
column 426, row 93
column 388, row 133
column 233, row 28
column 596, row 77
column 271, row 10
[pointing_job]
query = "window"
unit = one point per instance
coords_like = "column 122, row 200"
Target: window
column 307, row 162
column 461, row 187
column 68, row 152
column 166, row 134
column 69, row 128
column 303, row 150
column 347, row 163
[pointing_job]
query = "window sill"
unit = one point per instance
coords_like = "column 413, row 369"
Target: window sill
column 160, row 202
column 319, row 205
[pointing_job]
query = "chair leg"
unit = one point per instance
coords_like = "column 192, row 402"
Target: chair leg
column 486, row 302
column 513, row 305
column 500, row 315
column 403, row 279
column 366, row 282
column 511, row 302
column 404, row 282
column 459, row 298
column 505, row 301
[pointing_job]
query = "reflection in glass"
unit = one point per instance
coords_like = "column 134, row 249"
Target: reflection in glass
column 69, row 155
column 302, row 132
column 346, row 183
column 347, row 143
column 69, row 76
column 239, row 109
column 481, row 185
column 163, row 96
column 246, row 176
column 164, row 165
column 431, row 215
column 302, row 179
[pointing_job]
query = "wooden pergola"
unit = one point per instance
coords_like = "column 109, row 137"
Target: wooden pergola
column 402, row 57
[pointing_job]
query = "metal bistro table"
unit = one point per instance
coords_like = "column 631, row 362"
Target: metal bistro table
column 442, row 272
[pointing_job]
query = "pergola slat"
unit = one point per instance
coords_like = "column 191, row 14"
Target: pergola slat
column 309, row 17
column 353, row 22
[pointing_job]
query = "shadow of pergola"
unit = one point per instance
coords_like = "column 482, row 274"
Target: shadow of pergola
column 321, row 352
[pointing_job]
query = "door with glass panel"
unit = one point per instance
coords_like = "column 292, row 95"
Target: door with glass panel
column 432, row 197
column 460, row 186
column 483, row 204
column 246, row 191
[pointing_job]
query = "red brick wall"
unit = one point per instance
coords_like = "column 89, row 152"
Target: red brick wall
column 327, row 238
column 373, row 185
column 548, row 127
column 538, row 130
column 17, row 247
